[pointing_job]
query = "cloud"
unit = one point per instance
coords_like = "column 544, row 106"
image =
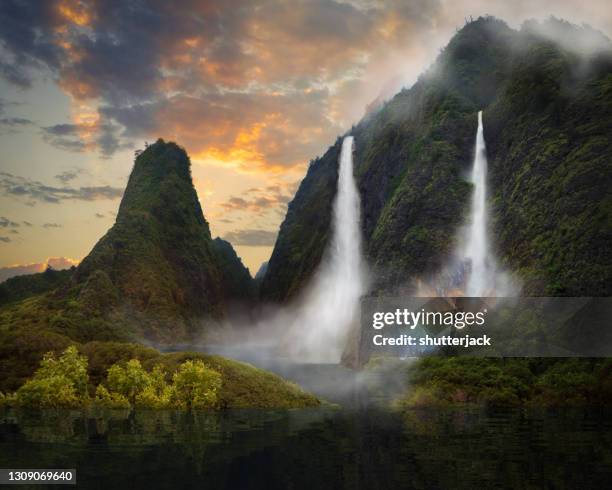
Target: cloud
column 64, row 137
column 5, row 239
column 32, row 190
column 67, row 176
column 99, row 215
column 57, row 263
column 255, row 85
column 252, row 85
column 7, row 223
column 260, row 200
column 252, row 238
column 52, row 225
column 11, row 125
column 92, row 135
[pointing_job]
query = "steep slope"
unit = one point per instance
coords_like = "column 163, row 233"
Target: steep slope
column 236, row 281
column 304, row 232
column 546, row 114
column 159, row 253
column 156, row 273
column 550, row 154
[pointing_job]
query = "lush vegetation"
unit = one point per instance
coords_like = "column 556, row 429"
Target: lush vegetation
column 547, row 112
column 509, row 382
column 21, row 287
column 177, row 381
column 156, row 273
column 304, row 233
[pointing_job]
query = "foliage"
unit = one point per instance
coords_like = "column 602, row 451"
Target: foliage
column 106, row 399
column 156, row 273
column 57, row 383
column 129, row 380
column 144, row 377
column 509, row 382
column 21, row 287
column 195, row 386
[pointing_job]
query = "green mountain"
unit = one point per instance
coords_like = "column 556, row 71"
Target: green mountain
column 157, row 273
column 546, row 95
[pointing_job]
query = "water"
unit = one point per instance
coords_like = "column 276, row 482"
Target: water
column 330, row 305
column 314, row 449
column 480, row 281
column 473, row 270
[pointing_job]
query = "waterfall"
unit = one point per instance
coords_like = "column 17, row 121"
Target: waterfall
column 331, row 304
column 477, row 253
column 473, row 270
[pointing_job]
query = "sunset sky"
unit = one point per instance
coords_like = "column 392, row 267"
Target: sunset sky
column 253, row 90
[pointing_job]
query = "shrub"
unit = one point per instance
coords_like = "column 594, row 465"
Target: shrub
column 195, row 386
column 129, row 380
column 106, row 399
column 57, row 382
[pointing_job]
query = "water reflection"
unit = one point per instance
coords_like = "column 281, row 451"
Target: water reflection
column 315, row 448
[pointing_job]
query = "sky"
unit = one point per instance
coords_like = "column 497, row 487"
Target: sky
column 253, row 90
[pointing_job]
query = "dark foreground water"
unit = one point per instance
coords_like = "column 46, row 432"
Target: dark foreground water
column 315, row 448
column 358, row 446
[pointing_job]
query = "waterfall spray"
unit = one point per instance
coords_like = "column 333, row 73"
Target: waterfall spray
column 481, row 278
column 331, row 304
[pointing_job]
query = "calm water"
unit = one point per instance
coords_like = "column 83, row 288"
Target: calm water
column 359, row 446
column 315, row 449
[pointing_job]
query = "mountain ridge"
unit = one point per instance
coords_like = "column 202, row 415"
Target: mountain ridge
column 413, row 154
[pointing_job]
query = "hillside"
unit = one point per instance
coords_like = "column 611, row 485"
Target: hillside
column 157, row 273
column 547, row 109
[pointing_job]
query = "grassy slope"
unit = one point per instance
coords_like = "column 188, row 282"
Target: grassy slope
column 243, row 385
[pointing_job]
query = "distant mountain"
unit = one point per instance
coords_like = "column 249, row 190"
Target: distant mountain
column 23, row 286
column 157, row 273
column 547, row 114
column 261, row 272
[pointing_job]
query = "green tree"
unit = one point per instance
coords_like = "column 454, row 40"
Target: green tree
column 106, row 399
column 195, row 385
column 70, row 365
column 57, row 382
column 157, row 393
column 129, row 380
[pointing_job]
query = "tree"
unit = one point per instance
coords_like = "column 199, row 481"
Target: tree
column 128, row 381
column 57, row 382
column 195, row 385
column 157, row 393
column 70, row 365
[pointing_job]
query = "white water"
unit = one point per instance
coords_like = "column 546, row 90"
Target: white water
column 331, row 304
column 482, row 277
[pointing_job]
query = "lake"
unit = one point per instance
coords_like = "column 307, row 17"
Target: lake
column 360, row 445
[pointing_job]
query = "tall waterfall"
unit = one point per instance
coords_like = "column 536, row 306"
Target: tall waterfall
column 482, row 276
column 331, row 304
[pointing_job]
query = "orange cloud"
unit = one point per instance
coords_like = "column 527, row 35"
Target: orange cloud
column 57, row 263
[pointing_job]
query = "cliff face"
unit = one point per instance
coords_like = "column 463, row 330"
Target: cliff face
column 546, row 114
column 550, row 161
column 304, row 232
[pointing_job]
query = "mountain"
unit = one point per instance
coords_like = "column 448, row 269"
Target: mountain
column 21, row 287
column 546, row 95
column 157, row 273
